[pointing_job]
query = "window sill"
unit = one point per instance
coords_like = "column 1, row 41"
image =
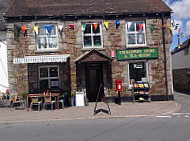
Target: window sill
column 88, row 49
column 47, row 51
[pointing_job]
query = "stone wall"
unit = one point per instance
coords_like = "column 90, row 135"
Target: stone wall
column 181, row 80
column 70, row 42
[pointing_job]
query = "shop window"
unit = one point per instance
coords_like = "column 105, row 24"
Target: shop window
column 47, row 40
column 136, row 35
column 49, row 77
column 92, row 35
column 137, row 72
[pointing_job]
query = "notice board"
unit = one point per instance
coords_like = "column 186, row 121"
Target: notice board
column 79, row 99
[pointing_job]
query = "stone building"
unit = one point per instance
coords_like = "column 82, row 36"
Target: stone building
column 77, row 45
column 181, row 67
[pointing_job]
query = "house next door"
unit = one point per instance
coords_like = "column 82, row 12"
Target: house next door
column 94, row 77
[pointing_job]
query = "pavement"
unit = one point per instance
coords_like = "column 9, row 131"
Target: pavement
column 126, row 109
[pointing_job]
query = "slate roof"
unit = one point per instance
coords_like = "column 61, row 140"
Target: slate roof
column 84, row 7
column 3, row 6
column 184, row 45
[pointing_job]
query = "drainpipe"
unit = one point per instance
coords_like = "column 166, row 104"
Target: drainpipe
column 165, row 59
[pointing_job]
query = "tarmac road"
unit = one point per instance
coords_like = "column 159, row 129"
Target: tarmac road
column 171, row 127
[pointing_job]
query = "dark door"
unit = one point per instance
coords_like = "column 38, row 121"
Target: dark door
column 94, row 78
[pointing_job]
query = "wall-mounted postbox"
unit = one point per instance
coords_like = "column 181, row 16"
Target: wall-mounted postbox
column 119, row 85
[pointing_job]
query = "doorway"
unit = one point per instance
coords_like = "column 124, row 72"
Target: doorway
column 94, row 77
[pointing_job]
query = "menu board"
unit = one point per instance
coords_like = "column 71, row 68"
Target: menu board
column 79, row 99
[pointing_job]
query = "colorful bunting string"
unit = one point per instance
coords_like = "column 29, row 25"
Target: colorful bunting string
column 171, row 28
column 106, row 24
column 24, row 29
column 48, row 27
column 152, row 28
column 140, row 26
column 83, row 26
column 60, row 27
column 36, row 29
column 117, row 23
column 164, row 25
column 71, row 26
column 95, row 26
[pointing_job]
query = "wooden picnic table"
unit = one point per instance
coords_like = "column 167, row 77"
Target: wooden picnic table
column 42, row 95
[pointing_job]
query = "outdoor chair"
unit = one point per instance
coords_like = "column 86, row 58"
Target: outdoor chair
column 62, row 100
column 36, row 101
column 48, row 101
column 16, row 99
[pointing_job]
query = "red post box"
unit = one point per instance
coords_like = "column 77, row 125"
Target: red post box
column 119, row 85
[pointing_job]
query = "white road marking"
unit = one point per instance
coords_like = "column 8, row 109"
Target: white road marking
column 164, row 116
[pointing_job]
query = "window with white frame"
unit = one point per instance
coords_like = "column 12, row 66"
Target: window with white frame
column 47, row 38
column 136, row 35
column 49, row 77
column 92, row 35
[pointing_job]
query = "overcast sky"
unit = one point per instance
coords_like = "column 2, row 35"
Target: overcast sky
column 181, row 15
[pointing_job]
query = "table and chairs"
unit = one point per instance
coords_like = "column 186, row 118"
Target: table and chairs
column 42, row 100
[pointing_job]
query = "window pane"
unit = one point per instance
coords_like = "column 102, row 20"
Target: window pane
column 131, row 39
column 140, row 38
column 87, row 41
column 54, row 83
column 97, row 29
column 44, row 84
column 52, row 42
column 137, row 71
column 53, row 72
column 139, row 26
column 43, row 72
column 131, row 26
column 42, row 31
column 87, row 29
column 53, row 30
column 42, row 43
column 97, row 41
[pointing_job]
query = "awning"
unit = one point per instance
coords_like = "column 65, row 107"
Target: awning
column 41, row 59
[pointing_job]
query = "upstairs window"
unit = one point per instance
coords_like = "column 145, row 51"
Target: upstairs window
column 136, row 35
column 47, row 37
column 92, row 35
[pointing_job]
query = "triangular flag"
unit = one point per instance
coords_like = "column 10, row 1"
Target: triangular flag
column 60, row 27
column 106, row 23
column 183, row 35
column 152, row 28
column 48, row 27
column 164, row 25
column 117, row 23
column 71, row 26
column 95, row 26
column 175, row 28
column 179, row 46
column 36, row 29
column 140, row 26
column 129, row 24
column 23, row 29
column 83, row 26
column 171, row 28
column 179, row 30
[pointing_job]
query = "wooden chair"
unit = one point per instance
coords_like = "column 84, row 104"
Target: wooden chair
column 16, row 99
column 48, row 101
column 36, row 101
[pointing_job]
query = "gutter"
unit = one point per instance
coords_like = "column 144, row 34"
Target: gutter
column 165, row 59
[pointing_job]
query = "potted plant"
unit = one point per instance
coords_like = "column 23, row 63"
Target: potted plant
column 71, row 98
column 24, row 96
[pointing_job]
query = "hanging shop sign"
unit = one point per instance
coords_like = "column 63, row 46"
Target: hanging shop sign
column 137, row 54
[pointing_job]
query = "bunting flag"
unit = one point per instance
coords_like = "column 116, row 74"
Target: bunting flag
column 129, row 24
column 175, row 27
column 117, row 23
column 179, row 30
column 48, row 27
column 95, row 26
column 152, row 28
column 36, row 29
column 164, row 25
column 140, row 26
column 171, row 28
column 60, row 27
column 106, row 23
column 179, row 46
column 83, row 26
column 71, row 26
column 23, row 29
